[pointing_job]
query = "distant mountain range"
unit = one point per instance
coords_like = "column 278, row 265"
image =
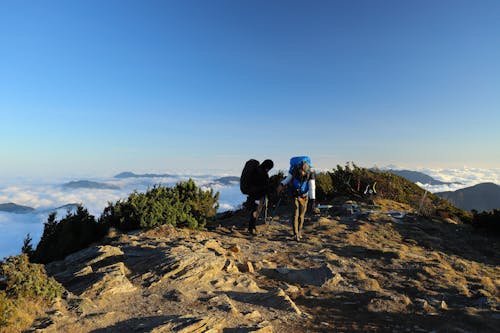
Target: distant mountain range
column 89, row 184
column 484, row 196
column 228, row 180
column 128, row 174
column 419, row 177
column 11, row 207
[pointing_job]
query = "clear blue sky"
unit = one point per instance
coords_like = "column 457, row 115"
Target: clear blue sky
column 99, row 87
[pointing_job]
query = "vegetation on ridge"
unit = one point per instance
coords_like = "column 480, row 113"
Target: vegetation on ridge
column 183, row 205
column 25, row 290
column 351, row 182
column 72, row 233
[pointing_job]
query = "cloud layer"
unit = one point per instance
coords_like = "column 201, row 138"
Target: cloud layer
column 45, row 197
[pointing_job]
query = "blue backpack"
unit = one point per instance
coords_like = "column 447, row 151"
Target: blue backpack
column 300, row 184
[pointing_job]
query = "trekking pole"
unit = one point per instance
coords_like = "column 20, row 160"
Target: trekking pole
column 265, row 211
column 276, row 208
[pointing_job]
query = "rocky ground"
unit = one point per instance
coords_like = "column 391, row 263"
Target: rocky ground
column 354, row 271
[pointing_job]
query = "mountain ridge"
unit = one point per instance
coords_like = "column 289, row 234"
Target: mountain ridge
column 11, row 207
column 89, row 185
column 129, row 174
column 480, row 197
column 420, row 177
column 365, row 271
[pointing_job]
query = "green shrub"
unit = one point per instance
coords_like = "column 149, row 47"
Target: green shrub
column 25, row 288
column 72, row 233
column 488, row 221
column 183, row 205
column 324, row 186
column 351, row 181
column 27, row 246
column 27, row 280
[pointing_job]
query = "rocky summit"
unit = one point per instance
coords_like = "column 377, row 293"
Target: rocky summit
column 368, row 268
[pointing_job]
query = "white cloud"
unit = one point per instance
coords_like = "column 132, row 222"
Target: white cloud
column 47, row 196
column 466, row 176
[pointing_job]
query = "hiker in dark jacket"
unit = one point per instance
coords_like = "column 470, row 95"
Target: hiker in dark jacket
column 258, row 188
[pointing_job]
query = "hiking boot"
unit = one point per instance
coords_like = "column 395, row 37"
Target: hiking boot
column 297, row 238
column 252, row 232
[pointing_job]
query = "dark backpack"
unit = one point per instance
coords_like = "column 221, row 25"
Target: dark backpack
column 247, row 174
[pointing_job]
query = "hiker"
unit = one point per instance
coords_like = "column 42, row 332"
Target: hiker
column 302, row 184
column 255, row 183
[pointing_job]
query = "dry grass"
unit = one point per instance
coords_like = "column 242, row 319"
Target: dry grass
column 23, row 313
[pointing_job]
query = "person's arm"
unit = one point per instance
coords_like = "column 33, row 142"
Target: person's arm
column 284, row 182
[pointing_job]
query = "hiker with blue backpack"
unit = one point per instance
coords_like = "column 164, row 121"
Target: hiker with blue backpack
column 302, row 187
column 255, row 183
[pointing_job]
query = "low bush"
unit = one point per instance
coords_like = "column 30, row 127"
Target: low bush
column 183, row 205
column 488, row 221
column 358, row 183
column 25, row 289
column 72, row 233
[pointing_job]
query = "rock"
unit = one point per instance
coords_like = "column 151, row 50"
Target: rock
column 369, row 284
column 191, row 266
column 394, row 303
column 265, row 329
column 84, row 271
column 323, row 276
column 231, row 267
column 224, row 303
column 236, row 283
column 247, row 267
column 279, row 299
column 422, row 304
column 290, row 289
column 79, row 264
column 235, row 248
column 176, row 296
column 215, row 246
column 110, row 280
column 254, row 315
column 258, row 265
column 189, row 324
column 81, row 306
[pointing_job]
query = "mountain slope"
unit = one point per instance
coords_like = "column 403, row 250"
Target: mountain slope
column 484, row 196
column 418, row 177
column 11, row 207
column 352, row 273
column 89, row 184
column 128, row 174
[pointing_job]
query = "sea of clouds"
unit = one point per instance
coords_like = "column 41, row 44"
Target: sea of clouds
column 47, row 195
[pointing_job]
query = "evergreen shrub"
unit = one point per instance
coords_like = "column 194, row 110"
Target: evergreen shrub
column 182, row 205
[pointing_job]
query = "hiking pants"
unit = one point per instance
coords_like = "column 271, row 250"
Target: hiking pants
column 255, row 212
column 299, row 211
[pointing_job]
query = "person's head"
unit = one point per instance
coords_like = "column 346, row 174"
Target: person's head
column 267, row 165
column 302, row 169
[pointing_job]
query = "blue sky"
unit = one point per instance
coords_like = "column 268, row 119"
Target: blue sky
column 99, row 87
